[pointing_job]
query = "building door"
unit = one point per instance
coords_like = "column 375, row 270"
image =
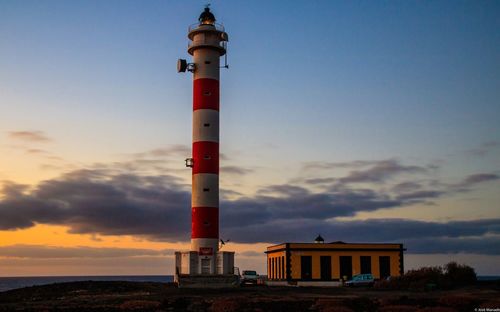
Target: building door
column 326, row 268
column 205, row 266
column 385, row 266
column 306, row 267
column 346, row 267
column 366, row 264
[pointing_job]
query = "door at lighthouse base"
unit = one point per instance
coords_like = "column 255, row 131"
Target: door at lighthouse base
column 205, row 266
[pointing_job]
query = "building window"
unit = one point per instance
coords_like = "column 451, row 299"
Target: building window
column 272, row 269
column 206, row 125
column 206, row 157
column 275, row 268
column 269, row 268
column 278, row 268
column 283, row 267
column 207, row 62
column 207, row 93
column 206, row 190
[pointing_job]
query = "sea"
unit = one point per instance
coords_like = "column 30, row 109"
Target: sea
column 8, row 283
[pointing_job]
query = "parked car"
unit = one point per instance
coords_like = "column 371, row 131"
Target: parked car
column 360, row 280
column 249, row 277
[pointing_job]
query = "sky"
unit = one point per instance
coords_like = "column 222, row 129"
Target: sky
column 362, row 121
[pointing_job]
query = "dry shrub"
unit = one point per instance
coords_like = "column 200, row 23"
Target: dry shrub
column 331, row 305
column 226, row 305
column 362, row 304
column 405, row 301
column 459, row 274
column 452, row 275
column 492, row 304
column 437, row 309
column 139, row 305
column 398, row 308
column 283, row 305
column 460, row 303
column 336, row 309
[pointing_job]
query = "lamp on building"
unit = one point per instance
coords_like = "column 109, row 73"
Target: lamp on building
column 189, row 162
column 319, row 240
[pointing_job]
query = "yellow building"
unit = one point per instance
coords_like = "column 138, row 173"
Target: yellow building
column 320, row 262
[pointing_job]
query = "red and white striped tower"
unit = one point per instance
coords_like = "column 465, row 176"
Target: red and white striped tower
column 207, row 46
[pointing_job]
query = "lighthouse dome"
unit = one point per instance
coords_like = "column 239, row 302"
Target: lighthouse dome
column 206, row 17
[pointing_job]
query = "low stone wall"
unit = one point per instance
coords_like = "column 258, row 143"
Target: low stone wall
column 207, row 281
column 305, row 283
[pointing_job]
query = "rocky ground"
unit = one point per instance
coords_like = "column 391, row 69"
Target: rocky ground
column 134, row 296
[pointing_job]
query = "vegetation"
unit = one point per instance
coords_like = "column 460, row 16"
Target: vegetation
column 452, row 275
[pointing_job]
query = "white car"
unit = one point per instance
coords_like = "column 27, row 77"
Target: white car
column 249, row 277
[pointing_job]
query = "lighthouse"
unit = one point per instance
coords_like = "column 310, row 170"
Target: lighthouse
column 207, row 43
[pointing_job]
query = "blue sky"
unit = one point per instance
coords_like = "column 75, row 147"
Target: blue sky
column 410, row 88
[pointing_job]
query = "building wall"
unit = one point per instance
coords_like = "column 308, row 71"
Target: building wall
column 335, row 258
column 292, row 258
column 277, row 265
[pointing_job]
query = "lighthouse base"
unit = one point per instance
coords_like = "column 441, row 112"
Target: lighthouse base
column 200, row 270
column 207, row 281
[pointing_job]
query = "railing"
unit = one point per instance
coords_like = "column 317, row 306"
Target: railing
column 217, row 26
column 222, row 44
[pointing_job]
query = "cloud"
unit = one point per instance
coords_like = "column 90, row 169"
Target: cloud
column 234, row 170
column 94, row 201
column 479, row 178
column 315, row 165
column 36, row 151
column 114, row 203
column 380, row 172
column 420, row 195
column 29, row 136
column 173, row 150
column 407, row 186
column 112, row 200
column 251, row 254
column 371, row 172
column 85, row 267
column 225, row 193
column 483, row 149
column 319, row 181
column 489, row 245
column 456, row 236
column 53, row 252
